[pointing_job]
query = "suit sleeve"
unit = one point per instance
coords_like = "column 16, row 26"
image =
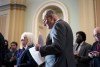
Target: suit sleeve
column 26, row 60
column 57, row 35
column 85, row 58
column 1, row 47
column 1, row 42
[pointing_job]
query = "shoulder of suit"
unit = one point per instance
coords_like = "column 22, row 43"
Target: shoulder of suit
column 87, row 44
column 60, row 23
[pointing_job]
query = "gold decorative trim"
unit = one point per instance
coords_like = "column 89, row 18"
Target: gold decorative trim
column 12, row 6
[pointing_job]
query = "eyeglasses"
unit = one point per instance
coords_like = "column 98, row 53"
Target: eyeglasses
column 98, row 34
column 45, row 21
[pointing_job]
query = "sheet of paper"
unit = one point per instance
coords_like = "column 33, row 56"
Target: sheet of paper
column 36, row 56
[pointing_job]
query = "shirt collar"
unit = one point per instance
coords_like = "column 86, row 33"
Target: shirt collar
column 81, row 43
column 25, row 47
column 57, row 20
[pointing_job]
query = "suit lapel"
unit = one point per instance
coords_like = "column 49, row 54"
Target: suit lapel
column 82, row 49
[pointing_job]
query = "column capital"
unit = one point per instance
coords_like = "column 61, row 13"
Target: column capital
column 14, row 4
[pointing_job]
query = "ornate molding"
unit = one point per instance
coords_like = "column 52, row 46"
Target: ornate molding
column 41, row 8
column 12, row 6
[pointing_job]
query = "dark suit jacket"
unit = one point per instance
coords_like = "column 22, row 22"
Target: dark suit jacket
column 19, row 52
column 95, row 61
column 1, row 48
column 60, row 43
column 83, row 61
column 26, row 60
column 7, row 58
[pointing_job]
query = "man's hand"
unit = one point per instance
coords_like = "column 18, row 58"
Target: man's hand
column 15, row 65
column 96, row 53
column 93, row 54
column 37, row 47
column 12, row 58
column 90, row 54
column 77, row 56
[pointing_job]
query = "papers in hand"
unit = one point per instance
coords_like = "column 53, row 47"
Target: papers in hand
column 36, row 56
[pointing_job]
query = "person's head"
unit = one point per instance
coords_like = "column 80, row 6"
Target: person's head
column 80, row 36
column 96, row 33
column 49, row 17
column 6, row 44
column 13, row 46
column 26, row 39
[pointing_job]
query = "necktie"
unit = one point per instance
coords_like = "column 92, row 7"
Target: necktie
column 77, row 46
column 23, row 48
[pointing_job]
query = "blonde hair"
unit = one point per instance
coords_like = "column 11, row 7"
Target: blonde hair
column 29, row 36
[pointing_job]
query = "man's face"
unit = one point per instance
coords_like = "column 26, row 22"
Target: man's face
column 48, row 21
column 24, row 41
column 97, row 37
column 78, row 38
column 96, row 33
column 13, row 46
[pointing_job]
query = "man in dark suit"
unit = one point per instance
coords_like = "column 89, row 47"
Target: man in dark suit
column 10, row 57
column 25, row 59
column 94, row 54
column 1, row 48
column 81, row 49
column 58, row 51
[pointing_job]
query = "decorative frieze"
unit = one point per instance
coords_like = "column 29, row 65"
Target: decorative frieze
column 12, row 6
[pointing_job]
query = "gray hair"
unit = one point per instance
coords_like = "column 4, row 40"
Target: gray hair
column 96, row 30
column 48, row 12
column 29, row 36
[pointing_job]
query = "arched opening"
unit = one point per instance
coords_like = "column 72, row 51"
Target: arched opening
column 38, row 27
